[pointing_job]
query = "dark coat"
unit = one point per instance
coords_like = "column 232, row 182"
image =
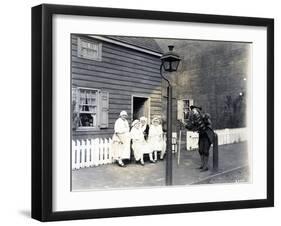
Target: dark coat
column 201, row 123
column 210, row 134
column 146, row 132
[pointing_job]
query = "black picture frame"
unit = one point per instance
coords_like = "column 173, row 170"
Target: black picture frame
column 42, row 108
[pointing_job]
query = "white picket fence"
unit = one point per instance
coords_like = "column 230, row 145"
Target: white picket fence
column 89, row 153
column 95, row 152
column 225, row 136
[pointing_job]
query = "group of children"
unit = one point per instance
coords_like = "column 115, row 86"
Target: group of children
column 143, row 138
column 147, row 139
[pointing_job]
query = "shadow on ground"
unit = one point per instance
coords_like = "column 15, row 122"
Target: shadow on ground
column 231, row 158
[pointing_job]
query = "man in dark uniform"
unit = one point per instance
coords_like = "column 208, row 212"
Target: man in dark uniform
column 201, row 123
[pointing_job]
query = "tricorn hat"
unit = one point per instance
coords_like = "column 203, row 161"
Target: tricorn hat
column 193, row 106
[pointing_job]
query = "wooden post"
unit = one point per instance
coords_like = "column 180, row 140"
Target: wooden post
column 83, row 153
column 78, row 154
column 88, row 153
column 101, row 151
column 110, row 154
column 74, row 158
column 95, row 148
column 215, row 153
column 179, row 147
column 92, row 152
column 106, row 151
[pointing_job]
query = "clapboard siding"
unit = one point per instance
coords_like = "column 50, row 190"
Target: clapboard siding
column 124, row 58
column 114, row 92
column 105, row 133
column 115, row 63
column 104, row 71
column 119, row 66
column 123, row 72
column 102, row 85
column 111, row 58
column 112, row 52
column 122, row 61
column 119, row 72
column 109, row 47
column 95, row 76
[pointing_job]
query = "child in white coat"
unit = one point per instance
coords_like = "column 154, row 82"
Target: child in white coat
column 155, row 138
column 139, row 144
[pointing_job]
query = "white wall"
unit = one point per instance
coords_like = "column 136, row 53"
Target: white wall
column 15, row 111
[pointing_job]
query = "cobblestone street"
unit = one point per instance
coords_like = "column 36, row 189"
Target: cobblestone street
column 233, row 160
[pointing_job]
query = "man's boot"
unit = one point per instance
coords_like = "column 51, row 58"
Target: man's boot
column 202, row 162
column 205, row 166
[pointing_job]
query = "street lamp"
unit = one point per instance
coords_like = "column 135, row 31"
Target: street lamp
column 170, row 62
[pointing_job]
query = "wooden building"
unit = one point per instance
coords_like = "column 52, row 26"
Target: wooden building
column 111, row 74
column 114, row 73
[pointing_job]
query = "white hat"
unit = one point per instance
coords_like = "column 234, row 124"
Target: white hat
column 135, row 122
column 123, row 113
column 156, row 119
column 143, row 118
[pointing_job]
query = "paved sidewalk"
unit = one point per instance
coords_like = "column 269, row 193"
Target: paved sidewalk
column 231, row 156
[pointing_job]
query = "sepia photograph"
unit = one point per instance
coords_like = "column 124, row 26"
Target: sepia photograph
column 154, row 112
column 141, row 112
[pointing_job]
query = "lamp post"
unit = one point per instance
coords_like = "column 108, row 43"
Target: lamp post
column 170, row 62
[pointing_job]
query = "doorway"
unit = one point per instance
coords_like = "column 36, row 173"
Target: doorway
column 140, row 107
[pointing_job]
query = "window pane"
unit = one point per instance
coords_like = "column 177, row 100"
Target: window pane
column 88, row 108
column 94, row 120
column 89, row 50
column 84, row 44
column 84, row 52
column 92, row 109
column 86, row 119
column 95, row 47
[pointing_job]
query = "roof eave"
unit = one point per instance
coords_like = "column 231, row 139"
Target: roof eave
column 127, row 45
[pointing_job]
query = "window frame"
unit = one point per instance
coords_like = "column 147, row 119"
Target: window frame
column 182, row 113
column 79, row 49
column 90, row 128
